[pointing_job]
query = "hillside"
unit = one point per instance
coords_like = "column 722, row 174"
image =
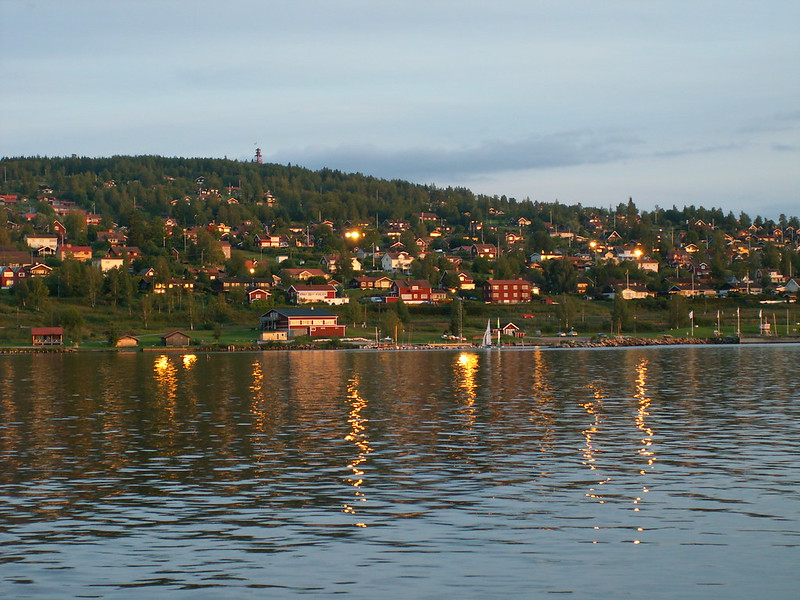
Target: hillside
column 128, row 243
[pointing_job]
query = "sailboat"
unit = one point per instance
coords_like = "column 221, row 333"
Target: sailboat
column 487, row 336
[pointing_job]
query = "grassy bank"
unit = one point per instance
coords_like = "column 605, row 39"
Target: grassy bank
column 209, row 322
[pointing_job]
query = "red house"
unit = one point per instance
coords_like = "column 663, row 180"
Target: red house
column 315, row 322
column 487, row 251
column 11, row 276
column 257, row 294
column 506, row 291
column 130, row 252
column 302, row 294
column 271, row 241
column 411, row 291
column 81, row 253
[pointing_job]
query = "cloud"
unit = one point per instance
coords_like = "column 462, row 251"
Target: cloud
column 555, row 150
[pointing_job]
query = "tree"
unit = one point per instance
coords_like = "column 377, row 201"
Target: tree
column 191, row 310
column 566, row 311
column 345, row 270
column 71, row 320
column 220, row 312
column 425, row 268
column 208, row 250
column 744, row 220
column 146, row 307
column 76, row 229
column 31, row 293
column 391, row 324
column 70, row 279
column 94, row 284
column 620, row 314
column 118, row 286
column 450, row 281
column 402, row 311
column 456, row 317
column 560, row 276
column 503, row 268
column 676, row 311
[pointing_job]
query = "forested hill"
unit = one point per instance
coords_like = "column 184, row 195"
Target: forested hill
column 112, row 186
column 196, row 191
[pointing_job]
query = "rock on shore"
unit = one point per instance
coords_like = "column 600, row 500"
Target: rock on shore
column 621, row 341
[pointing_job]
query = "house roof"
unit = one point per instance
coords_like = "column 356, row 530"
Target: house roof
column 508, row 282
column 301, row 312
column 410, row 283
column 47, row 331
column 172, row 333
column 311, row 272
column 326, row 287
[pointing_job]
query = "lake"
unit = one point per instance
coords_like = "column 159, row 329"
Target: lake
column 661, row 472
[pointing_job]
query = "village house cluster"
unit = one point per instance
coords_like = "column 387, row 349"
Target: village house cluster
column 421, row 259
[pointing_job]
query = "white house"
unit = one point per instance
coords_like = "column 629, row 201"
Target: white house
column 397, row 262
column 106, row 263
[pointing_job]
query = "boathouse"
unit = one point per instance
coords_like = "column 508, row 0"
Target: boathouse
column 175, row 339
column 47, row 336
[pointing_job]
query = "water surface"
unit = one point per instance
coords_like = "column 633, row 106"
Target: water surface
column 646, row 472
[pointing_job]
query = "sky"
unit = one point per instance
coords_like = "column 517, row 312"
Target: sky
column 667, row 102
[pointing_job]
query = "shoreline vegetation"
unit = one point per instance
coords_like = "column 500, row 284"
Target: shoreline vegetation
column 621, row 341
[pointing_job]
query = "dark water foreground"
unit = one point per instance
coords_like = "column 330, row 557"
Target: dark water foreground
column 639, row 472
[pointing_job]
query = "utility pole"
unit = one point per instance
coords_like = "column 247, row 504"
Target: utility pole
column 461, row 321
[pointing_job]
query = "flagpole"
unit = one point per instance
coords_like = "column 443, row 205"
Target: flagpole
column 738, row 323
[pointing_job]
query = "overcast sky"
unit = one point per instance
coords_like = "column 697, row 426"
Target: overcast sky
column 669, row 102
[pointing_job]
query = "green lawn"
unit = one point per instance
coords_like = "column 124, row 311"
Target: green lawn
column 93, row 325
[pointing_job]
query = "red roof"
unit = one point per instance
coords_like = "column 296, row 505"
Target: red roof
column 47, row 331
column 314, row 288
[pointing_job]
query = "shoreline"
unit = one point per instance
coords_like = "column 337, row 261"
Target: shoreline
column 549, row 342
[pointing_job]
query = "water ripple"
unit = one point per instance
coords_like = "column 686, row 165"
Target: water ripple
column 403, row 474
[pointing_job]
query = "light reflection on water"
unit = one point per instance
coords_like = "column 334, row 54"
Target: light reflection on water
column 429, row 474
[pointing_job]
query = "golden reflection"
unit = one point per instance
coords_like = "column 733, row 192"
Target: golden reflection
column 189, row 360
column 594, row 409
column 465, row 371
column 166, row 375
column 647, row 440
column 11, row 438
column 257, row 395
column 258, row 379
column 358, row 436
column 542, row 411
